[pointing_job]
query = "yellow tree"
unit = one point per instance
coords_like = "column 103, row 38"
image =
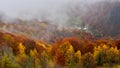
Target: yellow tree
column 44, row 59
column 7, row 62
column 77, row 56
column 34, row 56
column 100, row 54
column 106, row 55
column 113, row 55
column 21, row 58
column 21, row 49
column 66, row 49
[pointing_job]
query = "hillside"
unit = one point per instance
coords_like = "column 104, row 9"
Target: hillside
column 18, row 51
column 45, row 31
column 88, row 38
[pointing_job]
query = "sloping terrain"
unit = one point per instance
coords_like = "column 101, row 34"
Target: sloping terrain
column 18, row 51
column 43, row 30
column 44, row 44
column 104, row 18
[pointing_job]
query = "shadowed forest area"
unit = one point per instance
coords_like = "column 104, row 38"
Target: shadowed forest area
column 85, row 40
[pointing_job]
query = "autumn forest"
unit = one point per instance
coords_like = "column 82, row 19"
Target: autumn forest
column 86, row 40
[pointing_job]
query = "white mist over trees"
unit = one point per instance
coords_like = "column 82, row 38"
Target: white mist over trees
column 82, row 15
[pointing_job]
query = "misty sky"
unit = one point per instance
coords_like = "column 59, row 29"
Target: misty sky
column 33, row 7
column 37, row 8
column 18, row 7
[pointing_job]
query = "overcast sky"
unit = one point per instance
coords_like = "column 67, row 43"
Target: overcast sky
column 17, row 7
column 20, row 7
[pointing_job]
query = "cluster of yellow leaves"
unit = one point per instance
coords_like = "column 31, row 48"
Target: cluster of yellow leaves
column 106, row 55
column 21, row 49
column 100, row 49
column 43, row 45
column 66, row 48
column 33, row 53
column 67, row 51
column 8, row 38
column 21, row 56
column 78, row 55
column 36, row 61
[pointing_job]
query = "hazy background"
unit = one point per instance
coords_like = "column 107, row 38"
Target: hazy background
column 91, row 16
column 36, row 8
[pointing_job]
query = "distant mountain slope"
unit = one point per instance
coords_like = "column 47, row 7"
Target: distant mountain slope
column 45, row 31
column 104, row 18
